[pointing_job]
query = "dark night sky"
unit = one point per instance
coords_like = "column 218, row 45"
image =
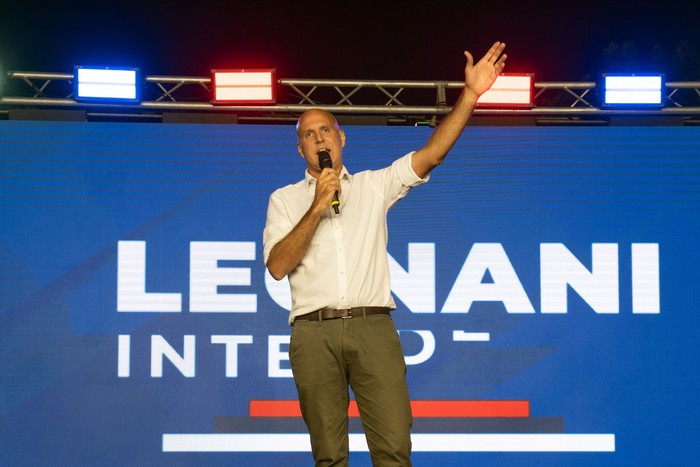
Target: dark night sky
column 558, row 41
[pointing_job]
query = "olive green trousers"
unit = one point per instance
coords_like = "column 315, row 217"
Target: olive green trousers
column 365, row 354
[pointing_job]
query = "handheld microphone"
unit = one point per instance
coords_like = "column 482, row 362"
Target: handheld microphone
column 325, row 162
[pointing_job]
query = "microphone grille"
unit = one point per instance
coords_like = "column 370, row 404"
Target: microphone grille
column 324, row 160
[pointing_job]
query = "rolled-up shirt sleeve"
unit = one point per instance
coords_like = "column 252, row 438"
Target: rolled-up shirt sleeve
column 400, row 179
column 277, row 225
column 407, row 174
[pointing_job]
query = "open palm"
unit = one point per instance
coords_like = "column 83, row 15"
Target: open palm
column 480, row 77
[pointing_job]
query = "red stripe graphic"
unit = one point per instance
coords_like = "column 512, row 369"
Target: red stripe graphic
column 423, row 409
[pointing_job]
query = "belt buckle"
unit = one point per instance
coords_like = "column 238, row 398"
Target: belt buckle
column 345, row 313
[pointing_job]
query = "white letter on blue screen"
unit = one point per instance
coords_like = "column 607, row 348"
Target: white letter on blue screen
column 469, row 286
column 231, row 343
column 560, row 269
column 275, row 356
column 646, row 296
column 131, row 282
column 206, row 276
column 415, row 287
column 160, row 348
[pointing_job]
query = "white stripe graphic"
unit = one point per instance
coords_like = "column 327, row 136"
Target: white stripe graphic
column 422, row 442
column 463, row 336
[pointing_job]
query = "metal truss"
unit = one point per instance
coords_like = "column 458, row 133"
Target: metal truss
column 397, row 102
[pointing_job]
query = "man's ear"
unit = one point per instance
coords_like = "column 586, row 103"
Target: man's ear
column 342, row 138
column 299, row 151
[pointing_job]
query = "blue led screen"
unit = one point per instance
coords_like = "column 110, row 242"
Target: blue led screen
column 546, row 272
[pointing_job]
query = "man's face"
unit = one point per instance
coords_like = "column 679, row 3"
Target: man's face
column 318, row 131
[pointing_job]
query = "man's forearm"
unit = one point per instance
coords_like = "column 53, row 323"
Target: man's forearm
column 288, row 252
column 451, row 127
column 445, row 135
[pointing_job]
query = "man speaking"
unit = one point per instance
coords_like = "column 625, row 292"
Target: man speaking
column 328, row 234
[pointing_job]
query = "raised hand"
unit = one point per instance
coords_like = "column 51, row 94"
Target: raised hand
column 480, row 77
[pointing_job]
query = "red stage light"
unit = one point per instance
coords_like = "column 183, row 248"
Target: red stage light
column 243, row 86
column 509, row 90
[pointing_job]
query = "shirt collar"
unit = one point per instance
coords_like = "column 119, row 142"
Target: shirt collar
column 311, row 181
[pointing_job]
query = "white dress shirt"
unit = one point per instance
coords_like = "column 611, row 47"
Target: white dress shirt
column 346, row 264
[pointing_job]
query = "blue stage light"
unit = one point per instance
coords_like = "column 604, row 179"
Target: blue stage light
column 107, row 84
column 633, row 90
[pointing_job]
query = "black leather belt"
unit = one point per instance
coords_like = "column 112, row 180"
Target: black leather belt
column 333, row 313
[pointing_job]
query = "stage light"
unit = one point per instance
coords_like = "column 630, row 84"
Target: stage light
column 106, row 84
column 243, row 86
column 633, row 90
column 509, row 90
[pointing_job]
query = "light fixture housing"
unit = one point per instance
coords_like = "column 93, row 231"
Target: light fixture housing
column 2, row 80
column 107, row 84
column 509, row 90
column 632, row 90
column 243, row 86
